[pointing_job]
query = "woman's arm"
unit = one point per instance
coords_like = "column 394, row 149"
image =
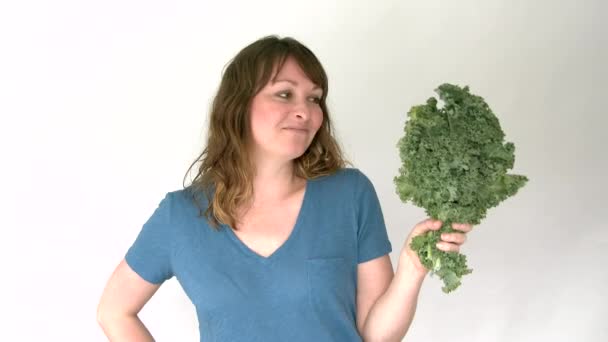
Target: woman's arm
column 391, row 315
column 122, row 299
column 126, row 328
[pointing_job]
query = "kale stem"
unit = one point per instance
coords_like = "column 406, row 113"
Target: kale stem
column 447, row 116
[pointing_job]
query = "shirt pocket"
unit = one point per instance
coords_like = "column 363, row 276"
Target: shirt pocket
column 331, row 287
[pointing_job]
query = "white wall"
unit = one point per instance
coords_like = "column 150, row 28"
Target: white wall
column 104, row 107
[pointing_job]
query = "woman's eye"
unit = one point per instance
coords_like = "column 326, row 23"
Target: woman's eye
column 288, row 95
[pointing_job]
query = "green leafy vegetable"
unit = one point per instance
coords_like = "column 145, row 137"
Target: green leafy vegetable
column 455, row 165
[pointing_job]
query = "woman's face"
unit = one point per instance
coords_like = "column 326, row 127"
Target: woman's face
column 285, row 115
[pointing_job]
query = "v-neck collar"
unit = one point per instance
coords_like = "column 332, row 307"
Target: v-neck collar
column 277, row 252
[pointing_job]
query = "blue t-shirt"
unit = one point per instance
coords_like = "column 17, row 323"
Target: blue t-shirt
column 304, row 291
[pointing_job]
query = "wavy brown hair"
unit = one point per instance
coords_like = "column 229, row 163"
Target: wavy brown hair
column 226, row 172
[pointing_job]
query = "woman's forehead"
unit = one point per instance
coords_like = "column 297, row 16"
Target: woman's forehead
column 291, row 72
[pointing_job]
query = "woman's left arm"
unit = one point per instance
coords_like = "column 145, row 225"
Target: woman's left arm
column 391, row 315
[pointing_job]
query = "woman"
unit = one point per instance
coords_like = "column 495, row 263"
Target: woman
column 292, row 245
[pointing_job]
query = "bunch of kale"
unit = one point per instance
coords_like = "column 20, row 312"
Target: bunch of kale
column 455, row 166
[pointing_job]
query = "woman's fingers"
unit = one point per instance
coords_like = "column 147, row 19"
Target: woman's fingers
column 426, row 225
column 458, row 238
column 465, row 227
column 450, row 242
column 448, row 247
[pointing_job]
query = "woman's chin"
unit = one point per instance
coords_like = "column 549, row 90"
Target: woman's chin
column 295, row 153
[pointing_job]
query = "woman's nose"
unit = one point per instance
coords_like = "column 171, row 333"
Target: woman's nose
column 302, row 109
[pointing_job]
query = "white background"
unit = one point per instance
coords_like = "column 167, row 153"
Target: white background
column 104, row 106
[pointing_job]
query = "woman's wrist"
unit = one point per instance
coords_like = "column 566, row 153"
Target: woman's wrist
column 410, row 267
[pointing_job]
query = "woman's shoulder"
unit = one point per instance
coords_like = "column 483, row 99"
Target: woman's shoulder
column 186, row 201
column 341, row 182
column 346, row 174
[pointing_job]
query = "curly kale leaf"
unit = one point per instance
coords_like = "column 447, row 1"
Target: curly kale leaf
column 455, row 163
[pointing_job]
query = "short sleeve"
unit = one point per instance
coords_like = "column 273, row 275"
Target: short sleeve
column 151, row 252
column 372, row 237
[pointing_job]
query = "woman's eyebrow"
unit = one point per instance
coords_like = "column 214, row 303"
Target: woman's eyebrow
column 294, row 83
